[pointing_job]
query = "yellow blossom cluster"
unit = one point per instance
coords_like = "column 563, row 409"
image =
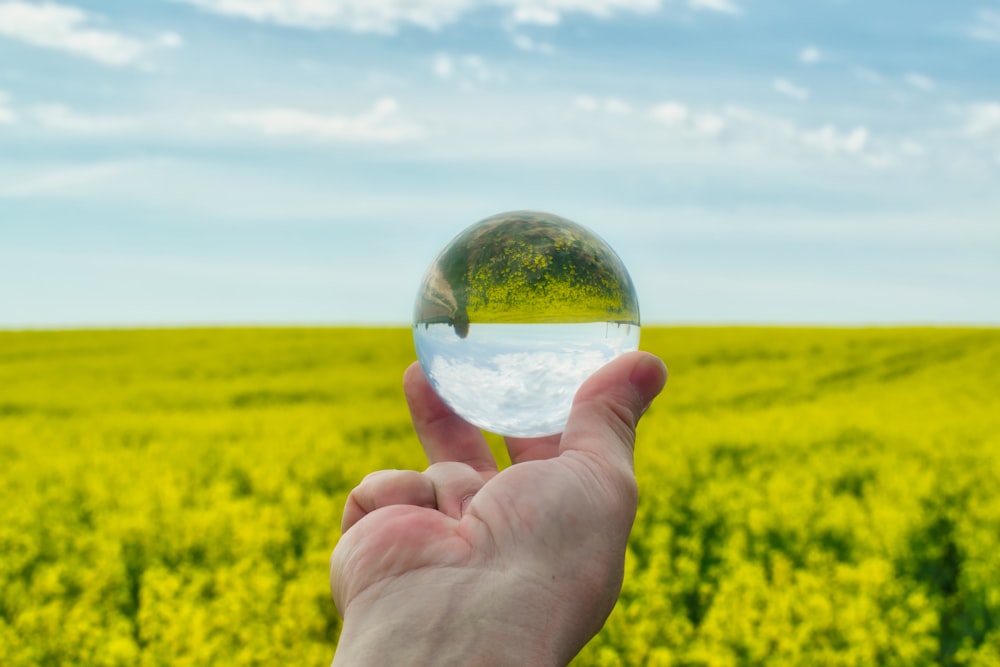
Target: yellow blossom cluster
column 807, row 496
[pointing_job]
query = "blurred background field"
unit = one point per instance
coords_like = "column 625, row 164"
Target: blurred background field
column 808, row 496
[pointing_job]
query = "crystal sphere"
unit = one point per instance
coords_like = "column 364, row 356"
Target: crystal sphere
column 515, row 313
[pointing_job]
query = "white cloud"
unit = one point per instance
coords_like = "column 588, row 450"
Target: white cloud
column 721, row 6
column 670, row 113
column 986, row 27
column 586, row 103
column 385, row 16
column 470, row 71
column 983, row 119
column 730, row 134
column 170, row 40
column 751, row 133
column 679, row 116
column 549, row 12
column 444, row 67
column 615, row 106
column 829, row 140
column 610, row 105
column 919, row 81
column 709, row 124
column 7, row 115
column 26, row 183
column 388, row 16
column 810, row 55
column 526, row 43
column 60, row 118
column 476, row 69
column 381, row 124
column 536, row 15
column 789, row 89
column 70, row 29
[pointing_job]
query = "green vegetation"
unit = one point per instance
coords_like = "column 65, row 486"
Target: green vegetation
column 808, row 497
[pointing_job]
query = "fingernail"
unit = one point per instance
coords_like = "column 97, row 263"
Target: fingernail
column 466, row 501
column 648, row 377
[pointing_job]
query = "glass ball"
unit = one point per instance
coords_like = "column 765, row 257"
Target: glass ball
column 515, row 313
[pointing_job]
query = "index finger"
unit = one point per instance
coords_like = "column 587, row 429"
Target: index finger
column 533, row 449
column 444, row 435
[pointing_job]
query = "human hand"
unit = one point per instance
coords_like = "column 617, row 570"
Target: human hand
column 465, row 565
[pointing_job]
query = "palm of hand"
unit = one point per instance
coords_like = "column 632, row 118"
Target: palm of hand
column 542, row 541
column 537, row 515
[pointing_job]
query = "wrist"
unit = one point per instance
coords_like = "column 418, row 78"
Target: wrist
column 449, row 625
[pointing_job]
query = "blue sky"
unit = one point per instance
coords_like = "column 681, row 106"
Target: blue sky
column 302, row 161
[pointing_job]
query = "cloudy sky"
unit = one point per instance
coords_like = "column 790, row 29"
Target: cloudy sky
column 302, row 161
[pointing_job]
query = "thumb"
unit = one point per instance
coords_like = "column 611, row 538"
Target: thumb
column 608, row 406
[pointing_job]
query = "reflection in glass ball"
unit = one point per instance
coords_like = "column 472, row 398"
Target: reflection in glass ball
column 515, row 313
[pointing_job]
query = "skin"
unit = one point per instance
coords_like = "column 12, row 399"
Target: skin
column 465, row 565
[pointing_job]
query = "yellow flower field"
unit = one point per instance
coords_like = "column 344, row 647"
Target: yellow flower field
column 808, row 496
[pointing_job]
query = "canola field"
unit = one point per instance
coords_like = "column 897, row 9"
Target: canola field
column 807, row 496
